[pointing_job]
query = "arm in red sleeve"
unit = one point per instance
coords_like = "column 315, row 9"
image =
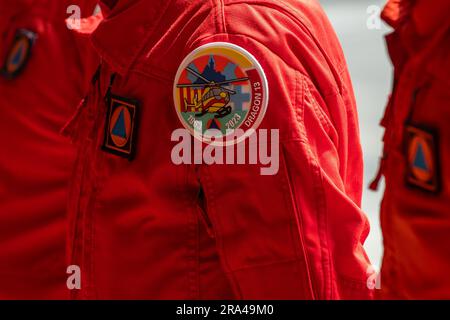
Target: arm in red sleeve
column 297, row 234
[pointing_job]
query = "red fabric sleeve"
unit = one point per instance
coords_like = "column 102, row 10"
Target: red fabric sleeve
column 297, row 234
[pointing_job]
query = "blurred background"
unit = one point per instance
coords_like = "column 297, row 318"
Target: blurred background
column 362, row 37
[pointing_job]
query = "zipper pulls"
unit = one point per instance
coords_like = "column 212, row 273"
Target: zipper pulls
column 71, row 129
column 96, row 76
column 107, row 96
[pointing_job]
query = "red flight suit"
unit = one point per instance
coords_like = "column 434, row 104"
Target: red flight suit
column 35, row 160
column 145, row 227
column 416, row 206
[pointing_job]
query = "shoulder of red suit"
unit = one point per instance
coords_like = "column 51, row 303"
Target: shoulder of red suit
column 127, row 40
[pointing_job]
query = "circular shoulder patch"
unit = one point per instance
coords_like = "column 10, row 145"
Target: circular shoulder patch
column 221, row 93
column 19, row 53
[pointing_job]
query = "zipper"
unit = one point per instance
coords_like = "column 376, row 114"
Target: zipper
column 82, row 129
column 202, row 209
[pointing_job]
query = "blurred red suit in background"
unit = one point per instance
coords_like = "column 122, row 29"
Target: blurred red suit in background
column 415, row 213
column 44, row 75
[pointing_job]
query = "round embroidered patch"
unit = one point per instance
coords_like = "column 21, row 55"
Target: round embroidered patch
column 221, row 93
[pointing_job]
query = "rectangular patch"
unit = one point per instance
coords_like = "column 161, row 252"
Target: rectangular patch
column 423, row 167
column 121, row 127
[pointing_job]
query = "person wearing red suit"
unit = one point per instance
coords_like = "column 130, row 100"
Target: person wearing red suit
column 43, row 69
column 416, row 205
column 149, row 222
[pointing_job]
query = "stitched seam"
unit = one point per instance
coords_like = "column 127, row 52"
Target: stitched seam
column 99, row 175
column 316, row 173
column 221, row 10
column 318, row 110
column 300, row 116
column 325, row 239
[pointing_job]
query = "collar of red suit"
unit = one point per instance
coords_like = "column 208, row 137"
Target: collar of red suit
column 125, row 28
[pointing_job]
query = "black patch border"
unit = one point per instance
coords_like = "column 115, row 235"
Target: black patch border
column 108, row 145
column 410, row 131
column 31, row 37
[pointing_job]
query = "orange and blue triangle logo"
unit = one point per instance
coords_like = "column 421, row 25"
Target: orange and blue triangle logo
column 121, row 127
column 19, row 54
column 419, row 160
column 423, row 165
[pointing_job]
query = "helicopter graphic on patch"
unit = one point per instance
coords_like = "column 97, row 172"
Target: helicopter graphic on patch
column 219, row 88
